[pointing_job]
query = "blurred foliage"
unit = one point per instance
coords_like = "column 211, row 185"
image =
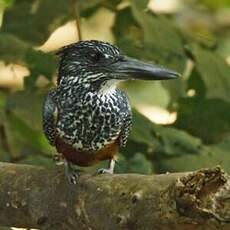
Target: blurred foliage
column 215, row 5
column 200, row 137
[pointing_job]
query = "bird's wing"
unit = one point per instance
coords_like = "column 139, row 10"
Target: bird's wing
column 126, row 130
column 127, row 120
column 50, row 116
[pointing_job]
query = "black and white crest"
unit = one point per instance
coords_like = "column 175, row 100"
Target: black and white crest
column 95, row 56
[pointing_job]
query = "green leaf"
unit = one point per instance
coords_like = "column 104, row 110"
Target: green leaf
column 138, row 163
column 4, row 156
column 12, row 49
column 205, row 118
column 177, row 142
column 28, row 106
column 4, row 4
column 143, row 130
column 42, row 63
column 145, row 93
column 87, row 7
column 23, row 124
column 38, row 160
column 2, row 100
column 89, row 4
column 129, row 35
column 151, row 37
column 216, row 5
column 224, row 144
column 161, row 144
column 163, row 140
column 162, row 41
column 23, row 139
column 38, row 62
column 208, row 157
column 33, row 21
column 196, row 83
column 214, row 71
column 162, row 44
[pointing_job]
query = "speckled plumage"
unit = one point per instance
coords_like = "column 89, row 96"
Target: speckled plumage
column 92, row 112
column 89, row 120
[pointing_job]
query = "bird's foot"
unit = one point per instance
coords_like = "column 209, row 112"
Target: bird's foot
column 103, row 171
column 110, row 170
column 58, row 159
column 73, row 177
column 72, row 173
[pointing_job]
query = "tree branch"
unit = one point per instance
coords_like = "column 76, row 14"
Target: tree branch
column 41, row 198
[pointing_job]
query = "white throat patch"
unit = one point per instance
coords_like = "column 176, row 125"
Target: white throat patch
column 109, row 87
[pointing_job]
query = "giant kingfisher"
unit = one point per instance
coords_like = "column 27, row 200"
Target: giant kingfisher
column 86, row 117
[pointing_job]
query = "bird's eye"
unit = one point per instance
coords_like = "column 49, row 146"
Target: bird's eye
column 95, row 57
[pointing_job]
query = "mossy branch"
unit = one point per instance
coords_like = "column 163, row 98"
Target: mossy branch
column 35, row 197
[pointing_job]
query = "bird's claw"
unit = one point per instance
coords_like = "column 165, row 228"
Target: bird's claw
column 58, row 159
column 109, row 170
column 104, row 171
column 72, row 174
column 73, row 177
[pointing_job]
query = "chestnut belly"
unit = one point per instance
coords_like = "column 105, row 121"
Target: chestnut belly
column 86, row 158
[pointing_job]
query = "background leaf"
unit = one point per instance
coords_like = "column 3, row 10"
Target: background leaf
column 205, row 118
column 214, row 71
column 30, row 21
column 192, row 39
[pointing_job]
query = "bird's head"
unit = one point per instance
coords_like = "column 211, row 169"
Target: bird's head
column 97, row 63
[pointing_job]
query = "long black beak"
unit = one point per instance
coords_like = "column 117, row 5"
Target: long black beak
column 130, row 68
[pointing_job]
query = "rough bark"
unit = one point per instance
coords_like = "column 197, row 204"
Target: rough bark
column 41, row 198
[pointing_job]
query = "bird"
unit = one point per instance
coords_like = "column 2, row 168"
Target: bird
column 86, row 116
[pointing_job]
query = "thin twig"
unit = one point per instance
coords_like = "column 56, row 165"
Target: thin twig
column 76, row 13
